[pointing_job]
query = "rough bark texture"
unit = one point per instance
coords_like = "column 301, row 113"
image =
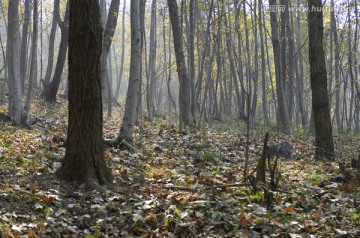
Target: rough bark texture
column 320, row 102
column 84, row 158
column 185, row 88
column 127, row 127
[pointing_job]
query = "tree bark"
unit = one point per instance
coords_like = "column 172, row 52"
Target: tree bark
column 283, row 116
column 24, row 44
column 320, row 102
column 151, row 80
column 337, row 68
column 16, row 107
column 263, row 67
column 50, row 91
column 33, row 62
column 193, row 18
column 127, row 127
column 186, row 116
column 106, row 45
column 117, row 92
column 84, row 158
column 51, row 44
column 300, row 80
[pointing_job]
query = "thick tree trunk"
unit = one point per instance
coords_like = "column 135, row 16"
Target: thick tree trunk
column 320, row 102
column 127, row 127
column 84, row 158
column 186, row 116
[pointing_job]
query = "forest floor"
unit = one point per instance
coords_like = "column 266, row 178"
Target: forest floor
column 176, row 185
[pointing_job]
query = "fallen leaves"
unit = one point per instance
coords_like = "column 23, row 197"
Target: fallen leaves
column 175, row 185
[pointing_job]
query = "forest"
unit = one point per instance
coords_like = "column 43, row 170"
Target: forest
column 179, row 118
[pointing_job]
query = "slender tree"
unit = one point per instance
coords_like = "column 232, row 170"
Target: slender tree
column 263, row 67
column 84, row 158
column 337, row 67
column 127, row 127
column 186, row 116
column 117, row 91
column 318, row 77
column 16, row 107
column 151, row 80
column 107, row 40
column 50, row 91
column 282, row 111
column 50, row 65
column 24, row 43
column 34, row 54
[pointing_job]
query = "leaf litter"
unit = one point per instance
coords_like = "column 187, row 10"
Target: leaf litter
column 176, row 185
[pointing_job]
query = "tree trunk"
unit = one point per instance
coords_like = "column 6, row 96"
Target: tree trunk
column 127, row 127
column 356, row 83
column 117, row 92
column 320, row 102
column 24, row 43
column 193, row 18
column 263, row 67
column 151, row 80
column 283, row 116
column 3, row 83
column 300, row 79
column 168, row 64
column 106, row 45
column 16, row 107
column 204, row 53
column 50, row 91
column 142, row 31
column 290, row 63
column 337, row 68
column 51, row 44
column 84, row 158
column 255, row 74
column 186, row 116
column 33, row 65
